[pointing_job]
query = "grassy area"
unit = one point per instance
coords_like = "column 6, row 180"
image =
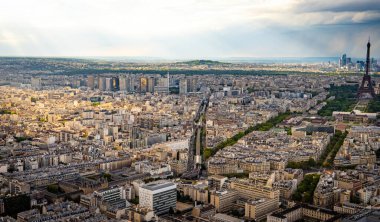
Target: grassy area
column 305, row 165
column 107, row 176
column 345, row 99
column 374, row 105
column 5, row 111
column 42, row 119
column 21, row 138
column 251, row 89
column 305, row 189
column 328, row 155
column 237, row 175
column 288, row 130
column 208, row 152
column 135, row 200
column 183, row 198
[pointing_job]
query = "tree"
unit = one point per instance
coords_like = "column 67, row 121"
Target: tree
column 135, row 200
column 305, row 165
column 53, row 188
column 311, row 162
column 378, row 153
column 16, row 204
column 7, row 112
column 107, row 176
column 374, row 105
column 305, row 189
column 345, row 99
column 260, row 127
column 22, row 138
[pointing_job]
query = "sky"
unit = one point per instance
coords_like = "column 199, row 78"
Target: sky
column 181, row 29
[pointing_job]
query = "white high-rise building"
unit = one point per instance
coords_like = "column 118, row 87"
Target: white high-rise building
column 159, row 196
column 102, row 83
column 91, row 82
column 182, row 86
column 36, row 83
column 127, row 83
column 162, row 85
column 111, row 194
column 109, row 84
column 123, row 84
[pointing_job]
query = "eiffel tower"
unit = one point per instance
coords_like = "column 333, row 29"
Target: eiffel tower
column 366, row 90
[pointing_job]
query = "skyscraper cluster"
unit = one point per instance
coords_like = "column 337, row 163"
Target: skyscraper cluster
column 345, row 61
column 359, row 65
column 187, row 85
column 126, row 83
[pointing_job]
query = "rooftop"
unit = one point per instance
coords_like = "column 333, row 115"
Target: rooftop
column 157, row 185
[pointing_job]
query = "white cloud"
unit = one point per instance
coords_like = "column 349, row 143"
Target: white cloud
column 162, row 27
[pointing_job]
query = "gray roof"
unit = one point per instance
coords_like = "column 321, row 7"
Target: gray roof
column 156, row 186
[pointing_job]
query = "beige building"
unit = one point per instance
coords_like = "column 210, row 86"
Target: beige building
column 222, row 168
column 249, row 189
column 140, row 214
column 306, row 213
column 326, row 198
column 224, row 218
column 216, row 182
column 201, row 212
column 178, row 166
column 278, row 165
column 16, row 187
column 262, row 166
column 223, row 200
column 286, row 188
column 348, row 184
column 196, row 193
column 258, row 208
column 347, row 208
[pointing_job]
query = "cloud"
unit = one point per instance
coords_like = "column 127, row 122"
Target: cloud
column 331, row 18
column 188, row 28
column 322, row 12
column 335, row 6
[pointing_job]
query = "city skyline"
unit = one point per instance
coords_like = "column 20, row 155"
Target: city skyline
column 189, row 29
column 157, row 137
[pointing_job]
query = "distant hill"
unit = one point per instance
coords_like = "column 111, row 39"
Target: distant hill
column 201, row 62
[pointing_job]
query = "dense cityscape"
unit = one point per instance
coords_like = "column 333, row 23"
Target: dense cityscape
column 190, row 111
column 94, row 140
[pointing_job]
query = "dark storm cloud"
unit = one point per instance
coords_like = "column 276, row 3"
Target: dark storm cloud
column 337, row 5
column 339, row 11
